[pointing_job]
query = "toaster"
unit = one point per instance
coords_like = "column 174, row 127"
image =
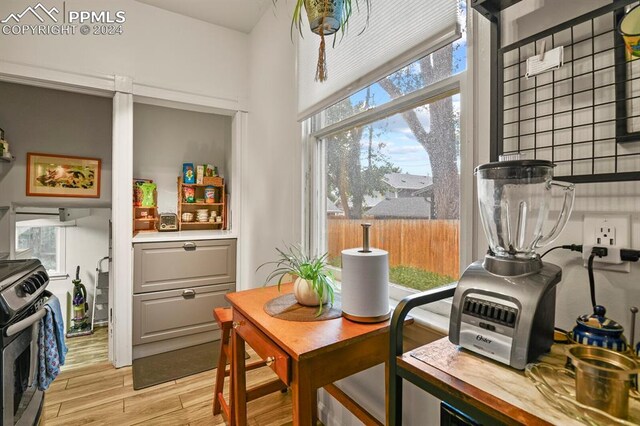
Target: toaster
column 168, row 222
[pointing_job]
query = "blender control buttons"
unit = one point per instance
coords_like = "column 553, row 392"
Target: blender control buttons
column 490, row 311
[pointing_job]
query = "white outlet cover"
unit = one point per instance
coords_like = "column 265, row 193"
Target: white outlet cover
column 591, row 228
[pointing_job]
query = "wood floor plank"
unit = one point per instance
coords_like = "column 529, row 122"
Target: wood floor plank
column 198, row 414
column 140, row 412
column 51, row 411
column 260, row 409
column 106, row 396
column 58, row 385
column 75, row 382
column 82, row 371
column 101, row 414
column 86, row 391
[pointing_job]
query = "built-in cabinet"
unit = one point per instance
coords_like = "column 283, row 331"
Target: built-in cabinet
column 177, row 284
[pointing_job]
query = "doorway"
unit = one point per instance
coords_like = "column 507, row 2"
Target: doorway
column 63, row 232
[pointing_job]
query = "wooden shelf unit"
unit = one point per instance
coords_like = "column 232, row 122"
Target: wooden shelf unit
column 219, row 206
column 148, row 223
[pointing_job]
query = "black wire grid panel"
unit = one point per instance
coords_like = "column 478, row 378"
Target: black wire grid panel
column 585, row 116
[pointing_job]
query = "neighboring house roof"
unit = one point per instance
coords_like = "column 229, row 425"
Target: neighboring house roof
column 404, row 207
column 407, row 181
column 426, row 191
column 370, row 201
column 332, row 208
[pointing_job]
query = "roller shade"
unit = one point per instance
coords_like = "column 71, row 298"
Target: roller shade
column 399, row 32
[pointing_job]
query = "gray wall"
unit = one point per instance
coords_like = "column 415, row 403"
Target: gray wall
column 164, row 138
column 51, row 122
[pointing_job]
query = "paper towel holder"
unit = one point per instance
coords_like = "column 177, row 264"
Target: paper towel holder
column 365, row 282
column 365, row 238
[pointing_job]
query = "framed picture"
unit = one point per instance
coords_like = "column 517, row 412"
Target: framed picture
column 50, row 175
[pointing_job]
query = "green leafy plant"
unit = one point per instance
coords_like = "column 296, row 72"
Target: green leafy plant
column 346, row 12
column 293, row 261
column 326, row 17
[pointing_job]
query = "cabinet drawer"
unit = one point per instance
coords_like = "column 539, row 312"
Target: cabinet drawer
column 176, row 313
column 263, row 345
column 183, row 264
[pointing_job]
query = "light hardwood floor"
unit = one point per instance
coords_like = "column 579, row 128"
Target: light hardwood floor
column 87, row 350
column 102, row 395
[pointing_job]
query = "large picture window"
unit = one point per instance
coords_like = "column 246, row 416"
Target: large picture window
column 390, row 155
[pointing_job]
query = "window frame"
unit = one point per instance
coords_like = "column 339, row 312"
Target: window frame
column 61, row 249
column 314, row 200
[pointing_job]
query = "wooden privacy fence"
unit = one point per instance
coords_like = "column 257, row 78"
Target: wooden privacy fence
column 431, row 245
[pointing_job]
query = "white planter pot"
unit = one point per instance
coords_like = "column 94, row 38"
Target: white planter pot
column 303, row 291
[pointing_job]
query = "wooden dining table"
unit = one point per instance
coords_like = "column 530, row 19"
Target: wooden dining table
column 306, row 356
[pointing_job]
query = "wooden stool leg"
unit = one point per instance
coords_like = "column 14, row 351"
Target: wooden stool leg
column 220, row 373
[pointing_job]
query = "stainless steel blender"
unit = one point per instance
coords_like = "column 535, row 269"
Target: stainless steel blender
column 504, row 305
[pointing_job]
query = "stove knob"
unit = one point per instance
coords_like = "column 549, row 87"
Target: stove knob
column 511, row 316
column 29, row 287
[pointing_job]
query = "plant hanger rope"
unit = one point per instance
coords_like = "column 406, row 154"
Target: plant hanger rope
column 321, row 69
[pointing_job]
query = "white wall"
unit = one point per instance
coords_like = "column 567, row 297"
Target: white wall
column 164, row 138
column 271, row 157
column 158, row 49
column 51, row 122
column 86, row 243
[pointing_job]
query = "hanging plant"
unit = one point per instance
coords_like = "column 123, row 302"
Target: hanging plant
column 326, row 17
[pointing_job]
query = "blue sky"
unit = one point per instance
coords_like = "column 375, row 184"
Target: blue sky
column 400, row 146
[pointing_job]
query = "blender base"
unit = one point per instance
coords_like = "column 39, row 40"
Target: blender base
column 507, row 318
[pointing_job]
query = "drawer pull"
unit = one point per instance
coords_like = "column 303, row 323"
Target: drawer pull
column 189, row 294
column 237, row 324
column 189, row 246
column 270, row 360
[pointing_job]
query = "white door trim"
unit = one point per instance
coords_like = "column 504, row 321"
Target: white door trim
column 122, row 171
column 91, row 84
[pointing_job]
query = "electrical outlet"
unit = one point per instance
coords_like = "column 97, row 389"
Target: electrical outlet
column 606, row 234
column 612, row 231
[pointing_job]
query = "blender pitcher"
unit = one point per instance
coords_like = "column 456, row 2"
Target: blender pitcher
column 514, row 198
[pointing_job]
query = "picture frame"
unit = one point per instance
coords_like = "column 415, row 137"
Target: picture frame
column 52, row 175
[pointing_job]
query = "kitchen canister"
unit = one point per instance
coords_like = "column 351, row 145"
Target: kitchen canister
column 210, row 194
column 365, row 282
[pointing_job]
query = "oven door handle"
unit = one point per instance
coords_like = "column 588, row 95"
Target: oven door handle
column 25, row 323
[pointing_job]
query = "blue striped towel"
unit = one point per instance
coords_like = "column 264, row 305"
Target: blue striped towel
column 51, row 347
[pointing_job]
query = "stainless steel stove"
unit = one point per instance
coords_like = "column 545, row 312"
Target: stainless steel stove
column 22, row 297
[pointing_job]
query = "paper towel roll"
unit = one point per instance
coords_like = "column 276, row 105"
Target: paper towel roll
column 365, row 285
